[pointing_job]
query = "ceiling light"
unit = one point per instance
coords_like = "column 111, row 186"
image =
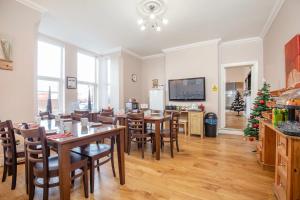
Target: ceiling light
column 151, row 14
column 143, row 27
column 165, row 21
column 140, row 21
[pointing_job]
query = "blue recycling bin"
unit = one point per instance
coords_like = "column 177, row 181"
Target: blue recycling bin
column 211, row 122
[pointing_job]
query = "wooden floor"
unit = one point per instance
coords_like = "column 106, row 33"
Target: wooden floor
column 209, row 169
column 235, row 122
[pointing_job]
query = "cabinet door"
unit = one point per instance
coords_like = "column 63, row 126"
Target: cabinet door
column 196, row 123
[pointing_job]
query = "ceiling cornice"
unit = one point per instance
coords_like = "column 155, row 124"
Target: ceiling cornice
column 111, row 51
column 159, row 55
column 131, row 53
column 33, row 5
column 241, row 41
column 188, row 46
column 278, row 5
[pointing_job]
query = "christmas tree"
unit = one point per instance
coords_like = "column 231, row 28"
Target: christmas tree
column 259, row 105
column 238, row 103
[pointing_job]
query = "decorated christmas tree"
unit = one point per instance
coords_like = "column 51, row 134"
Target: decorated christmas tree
column 238, row 103
column 259, row 105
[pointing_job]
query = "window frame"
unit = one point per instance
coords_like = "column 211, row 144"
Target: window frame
column 94, row 84
column 60, row 80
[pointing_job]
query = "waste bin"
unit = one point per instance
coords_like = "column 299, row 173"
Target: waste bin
column 210, row 121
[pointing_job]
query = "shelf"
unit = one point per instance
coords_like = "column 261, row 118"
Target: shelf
column 6, row 64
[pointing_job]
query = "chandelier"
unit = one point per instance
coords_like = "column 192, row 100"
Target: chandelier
column 151, row 13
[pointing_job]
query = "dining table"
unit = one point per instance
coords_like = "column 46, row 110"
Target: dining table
column 80, row 136
column 156, row 119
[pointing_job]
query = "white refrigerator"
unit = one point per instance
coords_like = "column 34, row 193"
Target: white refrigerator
column 157, row 99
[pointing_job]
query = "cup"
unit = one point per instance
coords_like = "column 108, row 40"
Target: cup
column 84, row 122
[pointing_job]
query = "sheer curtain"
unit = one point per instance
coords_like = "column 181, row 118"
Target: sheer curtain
column 109, row 77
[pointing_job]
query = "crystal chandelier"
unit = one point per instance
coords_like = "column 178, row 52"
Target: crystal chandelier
column 151, row 13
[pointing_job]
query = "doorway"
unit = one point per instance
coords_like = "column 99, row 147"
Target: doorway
column 238, row 88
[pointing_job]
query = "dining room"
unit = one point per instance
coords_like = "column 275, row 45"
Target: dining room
column 123, row 100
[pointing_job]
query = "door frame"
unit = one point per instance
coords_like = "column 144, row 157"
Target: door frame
column 254, row 89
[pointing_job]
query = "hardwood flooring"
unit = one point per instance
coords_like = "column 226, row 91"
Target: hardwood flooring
column 235, row 122
column 222, row 168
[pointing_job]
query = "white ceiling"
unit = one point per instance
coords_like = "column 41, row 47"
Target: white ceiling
column 99, row 25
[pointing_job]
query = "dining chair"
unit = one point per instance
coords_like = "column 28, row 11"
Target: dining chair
column 107, row 112
column 10, row 152
column 137, row 132
column 171, row 135
column 78, row 114
column 43, row 166
column 46, row 115
column 97, row 152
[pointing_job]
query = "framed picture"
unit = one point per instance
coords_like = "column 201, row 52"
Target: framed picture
column 71, row 83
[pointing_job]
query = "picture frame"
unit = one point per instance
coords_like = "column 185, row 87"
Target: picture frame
column 71, row 82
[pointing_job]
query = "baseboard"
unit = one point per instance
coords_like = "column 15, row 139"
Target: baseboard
column 230, row 131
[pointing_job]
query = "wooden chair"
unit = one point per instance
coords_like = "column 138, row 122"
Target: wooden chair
column 10, row 152
column 78, row 114
column 95, row 152
column 171, row 135
column 107, row 112
column 137, row 133
column 46, row 115
column 43, row 166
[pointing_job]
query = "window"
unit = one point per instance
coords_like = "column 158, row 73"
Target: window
column 50, row 72
column 87, row 80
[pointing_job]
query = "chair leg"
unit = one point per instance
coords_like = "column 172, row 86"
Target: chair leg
column 31, row 187
column 14, row 176
column 112, row 158
column 85, row 182
column 72, row 178
column 177, row 145
column 92, row 174
column 143, row 146
column 45, row 192
column 171, row 147
column 98, row 166
column 153, row 144
column 128, row 146
column 4, row 172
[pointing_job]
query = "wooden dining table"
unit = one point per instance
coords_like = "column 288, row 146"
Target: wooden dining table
column 156, row 119
column 81, row 136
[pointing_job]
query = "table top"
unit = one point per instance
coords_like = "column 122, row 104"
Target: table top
column 153, row 117
column 76, row 130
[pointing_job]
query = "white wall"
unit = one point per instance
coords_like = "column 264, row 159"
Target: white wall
column 246, row 50
column 152, row 68
column 199, row 61
column 284, row 28
column 132, row 65
column 18, row 86
column 237, row 74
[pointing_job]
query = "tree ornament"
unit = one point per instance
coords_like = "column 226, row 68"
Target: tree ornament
column 262, row 102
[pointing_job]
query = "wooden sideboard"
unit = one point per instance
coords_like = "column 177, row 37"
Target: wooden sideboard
column 266, row 146
column 195, row 121
column 285, row 158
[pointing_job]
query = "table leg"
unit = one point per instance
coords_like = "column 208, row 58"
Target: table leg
column 157, row 139
column 64, row 172
column 121, row 160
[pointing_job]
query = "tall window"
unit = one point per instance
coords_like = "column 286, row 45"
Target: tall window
column 87, row 80
column 50, row 76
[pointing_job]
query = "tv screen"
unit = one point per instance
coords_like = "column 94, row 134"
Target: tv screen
column 191, row 89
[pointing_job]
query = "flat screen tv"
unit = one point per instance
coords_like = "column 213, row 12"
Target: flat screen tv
column 191, row 89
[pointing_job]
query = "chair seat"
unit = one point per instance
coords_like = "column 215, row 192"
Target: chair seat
column 53, row 164
column 93, row 150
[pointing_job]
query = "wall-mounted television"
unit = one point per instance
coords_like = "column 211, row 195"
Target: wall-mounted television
column 190, row 89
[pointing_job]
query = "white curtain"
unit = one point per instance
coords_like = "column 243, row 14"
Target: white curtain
column 109, row 80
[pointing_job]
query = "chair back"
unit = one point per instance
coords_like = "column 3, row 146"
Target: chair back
column 174, row 124
column 44, row 115
column 135, row 123
column 8, row 142
column 107, row 120
column 107, row 112
column 36, row 147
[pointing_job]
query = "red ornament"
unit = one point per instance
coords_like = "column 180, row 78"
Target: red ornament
column 262, row 102
column 255, row 106
column 255, row 125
